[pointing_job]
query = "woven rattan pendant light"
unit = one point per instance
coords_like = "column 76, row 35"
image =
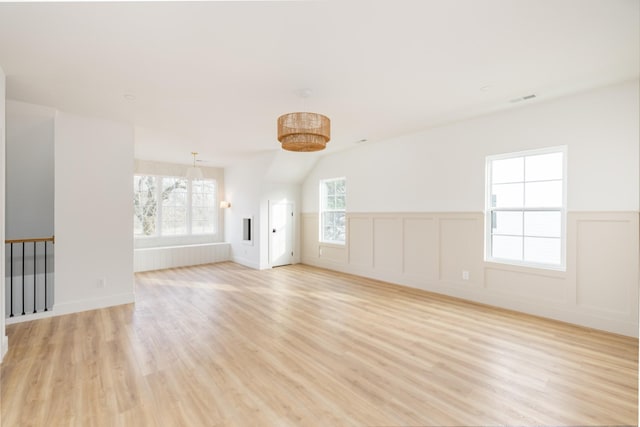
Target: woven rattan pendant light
column 304, row 131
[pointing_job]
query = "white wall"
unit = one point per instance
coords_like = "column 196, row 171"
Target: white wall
column 93, row 213
column 250, row 185
column 442, row 169
column 243, row 185
column 29, row 202
column 415, row 209
column 4, row 343
column 29, row 170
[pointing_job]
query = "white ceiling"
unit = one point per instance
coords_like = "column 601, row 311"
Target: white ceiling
column 214, row 76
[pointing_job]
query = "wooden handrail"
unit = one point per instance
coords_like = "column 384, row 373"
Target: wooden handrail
column 42, row 239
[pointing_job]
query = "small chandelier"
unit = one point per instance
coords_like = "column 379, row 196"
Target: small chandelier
column 304, row 131
column 194, row 172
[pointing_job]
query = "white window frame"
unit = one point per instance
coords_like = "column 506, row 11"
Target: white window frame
column 321, row 210
column 563, row 209
column 159, row 234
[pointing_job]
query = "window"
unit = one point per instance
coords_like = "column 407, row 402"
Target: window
column 203, row 207
column 174, row 206
column 332, row 210
column 526, row 208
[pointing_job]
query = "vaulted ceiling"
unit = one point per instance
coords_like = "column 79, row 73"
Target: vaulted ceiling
column 214, row 76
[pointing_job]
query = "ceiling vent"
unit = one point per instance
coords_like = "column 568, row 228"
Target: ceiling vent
column 524, row 98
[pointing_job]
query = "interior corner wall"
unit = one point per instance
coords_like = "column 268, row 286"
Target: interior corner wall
column 4, row 342
column 415, row 209
column 29, row 170
column 93, row 213
column 243, row 183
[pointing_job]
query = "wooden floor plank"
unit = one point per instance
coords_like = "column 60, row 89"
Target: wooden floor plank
column 224, row 345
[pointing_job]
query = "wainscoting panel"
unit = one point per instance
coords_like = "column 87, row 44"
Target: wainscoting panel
column 309, row 237
column 431, row 250
column 387, row 245
column 420, row 250
column 146, row 259
column 360, row 235
column 535, row 285
column 333, row 253
column 461, row 248
column 607, row 262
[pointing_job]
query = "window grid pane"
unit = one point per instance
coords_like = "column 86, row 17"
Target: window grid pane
column 507, row 247
column 543, row 223
column 507, row 195
column 507, row 170
column 174, row 206
column 546, row 194
column 543, row 167
column 542, row 250
column 507, row 223
column 203, row 207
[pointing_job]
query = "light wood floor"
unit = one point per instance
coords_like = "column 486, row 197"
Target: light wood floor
column 222, row 345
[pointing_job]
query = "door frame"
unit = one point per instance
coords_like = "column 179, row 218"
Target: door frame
column 270, row 204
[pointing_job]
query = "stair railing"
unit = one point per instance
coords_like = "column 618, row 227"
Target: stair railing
column 23, row 242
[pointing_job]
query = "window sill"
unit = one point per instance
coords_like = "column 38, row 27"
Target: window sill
column 141, row 242
column 547, row 270
column 333, row 244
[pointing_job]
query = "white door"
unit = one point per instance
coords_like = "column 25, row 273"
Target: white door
column 280, row 233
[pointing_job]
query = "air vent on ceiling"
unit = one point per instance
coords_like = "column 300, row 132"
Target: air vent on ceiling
column 524, row 98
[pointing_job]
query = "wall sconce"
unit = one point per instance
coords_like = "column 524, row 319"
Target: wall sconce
column 225, row 205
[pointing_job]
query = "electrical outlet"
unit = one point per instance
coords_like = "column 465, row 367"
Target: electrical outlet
column 465, row 275
column 102, row 283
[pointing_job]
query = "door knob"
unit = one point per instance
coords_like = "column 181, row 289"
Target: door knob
column 274, row 230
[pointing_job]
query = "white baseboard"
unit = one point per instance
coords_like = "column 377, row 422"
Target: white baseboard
column 556, row 310
column 246, row 262
column 76, row 307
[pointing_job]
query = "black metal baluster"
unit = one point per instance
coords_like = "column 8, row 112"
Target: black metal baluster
column 35, row 307
column 11, row 281
column 45, row 275
column 23, row 278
